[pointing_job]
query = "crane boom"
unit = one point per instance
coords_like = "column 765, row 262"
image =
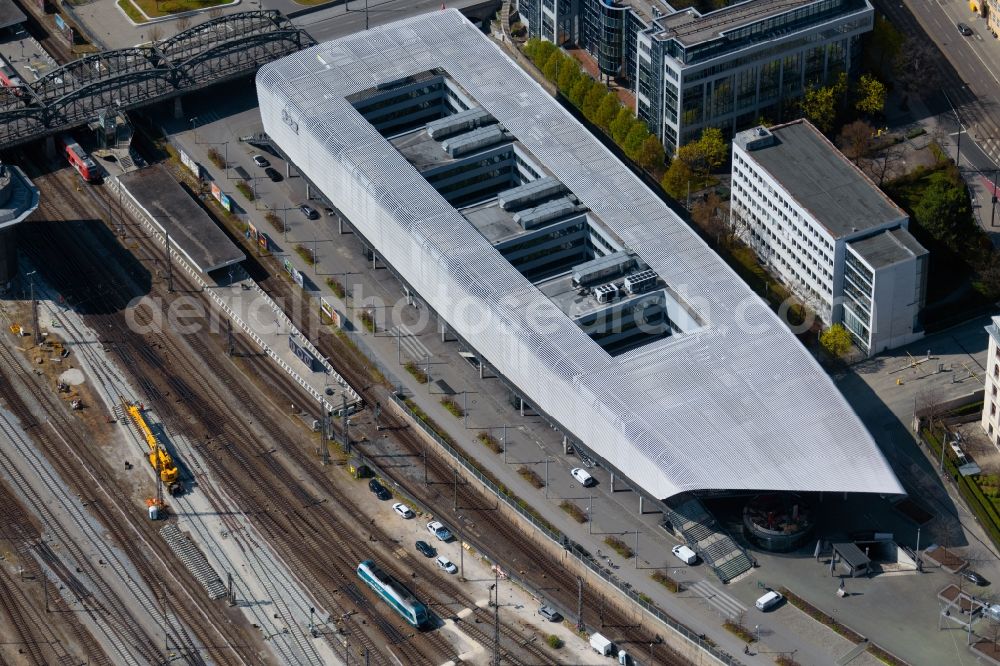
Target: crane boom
column 159, row 459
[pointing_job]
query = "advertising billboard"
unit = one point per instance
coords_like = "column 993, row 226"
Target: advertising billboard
column 193, row 166
column 326, row 309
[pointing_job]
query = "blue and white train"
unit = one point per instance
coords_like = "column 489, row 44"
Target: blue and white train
column 394, row 593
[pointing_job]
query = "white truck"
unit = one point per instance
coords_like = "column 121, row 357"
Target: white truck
column 601, row 645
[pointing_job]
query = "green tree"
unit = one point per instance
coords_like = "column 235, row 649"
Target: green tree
column 836, row 341
column 539, row 50
column 531, row 48
column 706, row 154
column 819, row 105
column 651, row 153
column 870, row 95
column 607, row 111
column 621, row 125
column 944, row 210
column 634, row 140
column 552, row 66
column 592, row 103
column 677, row 179
column 569, row 74
column 713, row 147
column 578, row 94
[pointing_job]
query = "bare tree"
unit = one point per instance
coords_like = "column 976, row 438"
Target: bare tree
column 927, row 406
column 916, row 67
column 880, row 168
column 708, row 214
column 183, row 23
column 215, row 12
column 856, row 140
column 155, row 33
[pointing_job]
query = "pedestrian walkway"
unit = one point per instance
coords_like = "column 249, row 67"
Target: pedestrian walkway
column 726, row 604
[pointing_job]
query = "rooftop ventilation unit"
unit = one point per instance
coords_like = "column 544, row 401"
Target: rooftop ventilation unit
column 760, row 137
column 484, row 137
column 605, row 293
column 526, row 194
column 603, row 268
column 459, row 122
column 640, row 282
column 552, row 210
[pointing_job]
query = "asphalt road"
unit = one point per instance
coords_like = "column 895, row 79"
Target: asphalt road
column 969, row 69
column 346, row 18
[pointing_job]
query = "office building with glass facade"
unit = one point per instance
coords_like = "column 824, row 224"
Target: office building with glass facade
column 727, row 68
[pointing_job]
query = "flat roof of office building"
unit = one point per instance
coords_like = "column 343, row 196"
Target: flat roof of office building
column 689, row 27
column 192, row 232
column 888, row 247
column 818, row 176
column 732, row 400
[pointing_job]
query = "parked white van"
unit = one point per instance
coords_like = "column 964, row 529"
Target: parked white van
column 685, row 554
column 768, row 601
column 601, row 645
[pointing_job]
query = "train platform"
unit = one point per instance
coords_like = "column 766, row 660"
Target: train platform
column 256, row 316
column 172, row 210
column 265, row 322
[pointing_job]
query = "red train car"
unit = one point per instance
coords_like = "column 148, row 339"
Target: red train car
column 79, row 159
column 9, row 78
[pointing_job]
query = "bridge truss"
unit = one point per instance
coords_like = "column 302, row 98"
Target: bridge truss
column 215, row 51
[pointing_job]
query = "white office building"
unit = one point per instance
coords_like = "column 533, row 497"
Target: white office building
column 826, row 230
column 991, row 399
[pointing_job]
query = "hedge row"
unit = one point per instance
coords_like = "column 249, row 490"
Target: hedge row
column 980, row 505
column 598, row 104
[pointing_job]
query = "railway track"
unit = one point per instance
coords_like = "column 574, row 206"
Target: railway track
column 113, row 386
column 357, row 373
column 536, row 566
column 101, row 607
column 280, row 516
column 289, row 515
column 70, row 454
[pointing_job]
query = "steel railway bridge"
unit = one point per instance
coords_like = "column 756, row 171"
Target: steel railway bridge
column 218, row 50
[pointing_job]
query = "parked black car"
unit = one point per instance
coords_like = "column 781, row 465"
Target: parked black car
column 380, row 491
column 309, row 212
column 274, row 174
column 974, row 578
column 426, row 549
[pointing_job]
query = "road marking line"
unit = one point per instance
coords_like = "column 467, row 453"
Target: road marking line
column 725, row 603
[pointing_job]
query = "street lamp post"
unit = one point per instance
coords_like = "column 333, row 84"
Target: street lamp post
column 958, row 119
column 194, row 128
column 993, row 199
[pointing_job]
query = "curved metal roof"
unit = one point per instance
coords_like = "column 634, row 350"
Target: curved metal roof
column 736, row 403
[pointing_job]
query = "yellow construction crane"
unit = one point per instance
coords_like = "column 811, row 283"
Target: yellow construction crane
column 158, row 456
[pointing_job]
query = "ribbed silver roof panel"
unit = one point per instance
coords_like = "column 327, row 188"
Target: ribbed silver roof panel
column 734, row 403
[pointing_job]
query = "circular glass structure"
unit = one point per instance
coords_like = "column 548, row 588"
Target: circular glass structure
column 777, row 522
